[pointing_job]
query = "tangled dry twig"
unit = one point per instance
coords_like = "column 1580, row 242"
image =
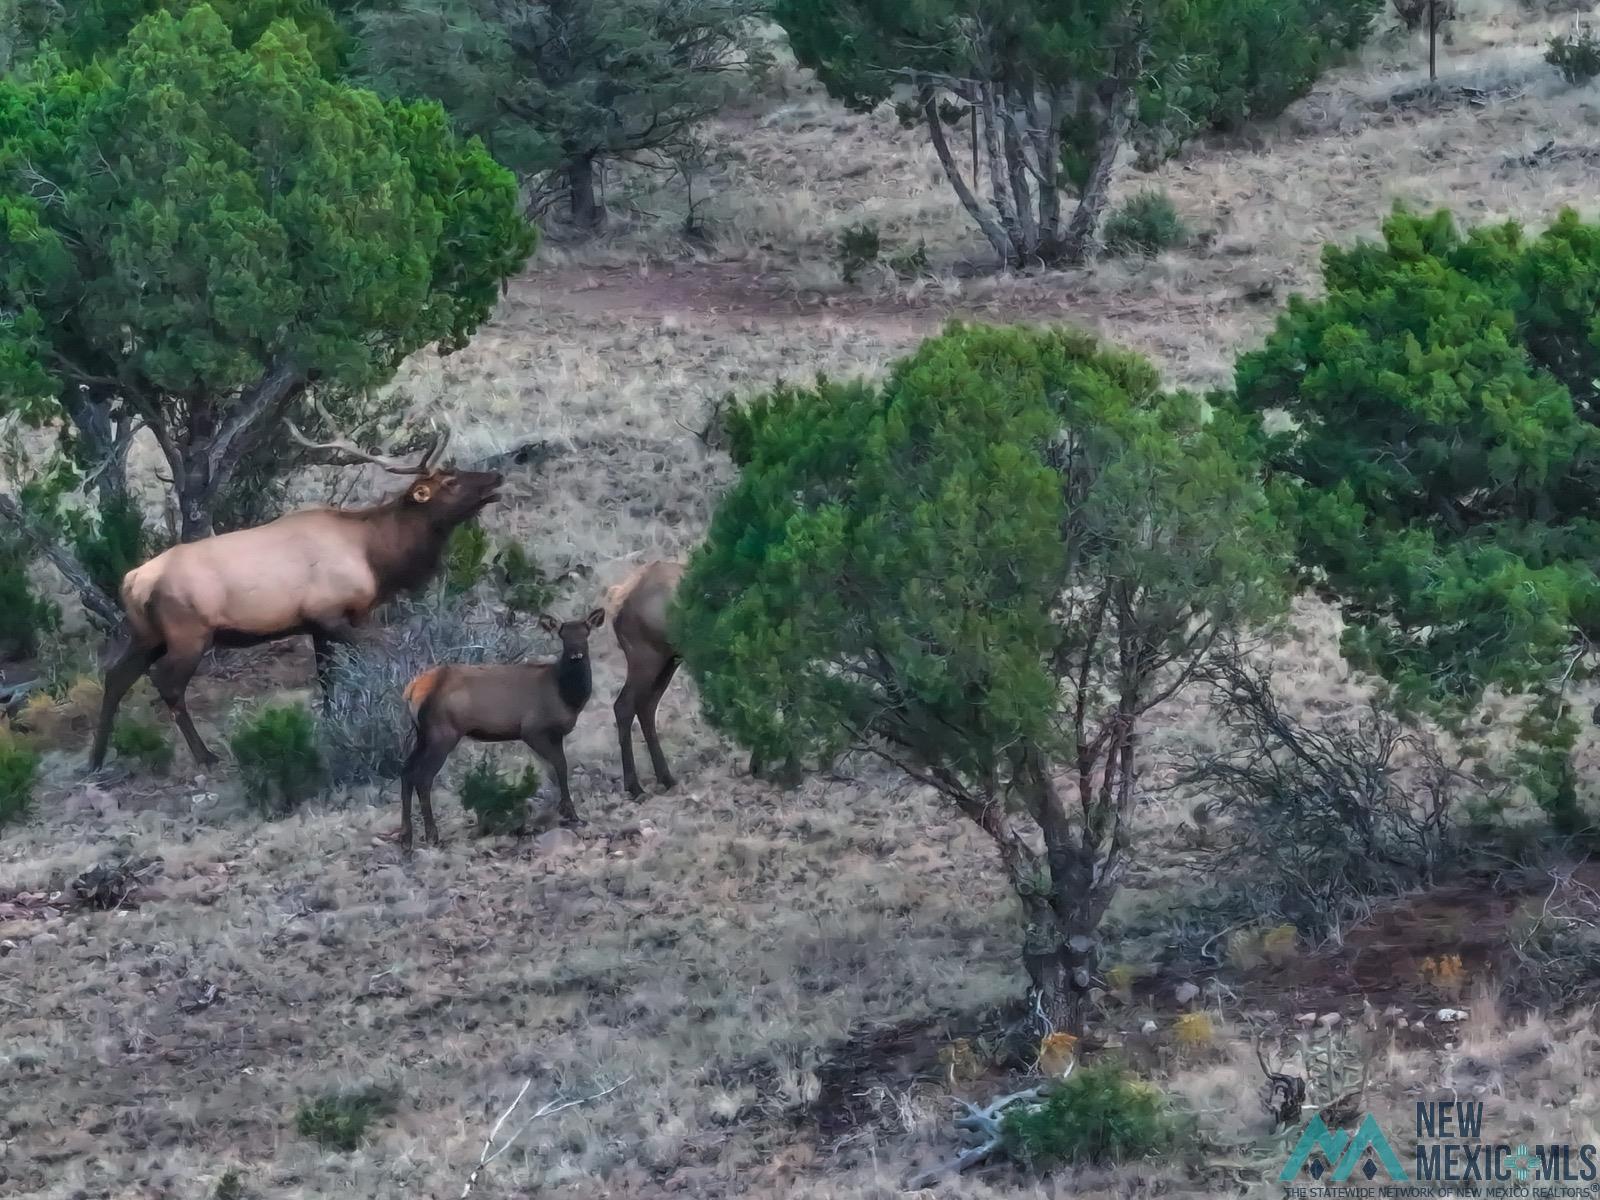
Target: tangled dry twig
column 547, row 1109
column 982, row 1121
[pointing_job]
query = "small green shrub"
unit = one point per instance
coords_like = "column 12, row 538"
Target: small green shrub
column 19, row 768
column 279, row 762
column 466, row 559
column 908, row 264
column 859, row 248
column 230, row 1186
column 499, row 803
column 523, row 584
column 1145, row 224
column 112, row 544
column 143, row 743
column 1098, row 1114
column 1576, row 56
column 340, row 1121
column 23, row 615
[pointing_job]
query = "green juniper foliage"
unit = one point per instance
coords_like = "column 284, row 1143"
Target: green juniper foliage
column 524, row 587
column 500, row 804
column 143, row 743
column 111, row 542
column 1575, row 55
column 985, row 568
column 340, row 1121
column 279, row 761
column 466, row 559
column 558, row 87
column 19, row 769
column 195, row 225
column 1098, row 1114
column 1058, row 89
column 1145, row 224
column 859, row 248
column 24, row 615
column 1440, row 465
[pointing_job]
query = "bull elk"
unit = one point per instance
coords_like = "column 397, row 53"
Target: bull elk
column 320, row 571
column 536, row 703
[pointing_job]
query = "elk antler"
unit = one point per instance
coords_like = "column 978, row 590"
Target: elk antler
column 353, row 454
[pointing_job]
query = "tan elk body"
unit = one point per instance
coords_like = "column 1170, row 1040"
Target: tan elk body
column 639, row 606
column 317, row 572
column 535, row 703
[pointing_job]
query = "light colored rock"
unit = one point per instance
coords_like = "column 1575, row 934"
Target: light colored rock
column 557, row 843
column 1306, row 1019
column 1329, row 1020
column 1185, row 993
column 1450, row 1016
column 1148, row 1027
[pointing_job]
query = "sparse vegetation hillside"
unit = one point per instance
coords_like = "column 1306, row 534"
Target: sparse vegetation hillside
column 1183, row 646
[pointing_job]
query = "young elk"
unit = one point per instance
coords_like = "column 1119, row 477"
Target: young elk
column 639, row 607
column 319, row 571
column 537, row 703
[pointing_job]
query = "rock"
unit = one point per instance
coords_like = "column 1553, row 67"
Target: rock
column 1185, row 993
column 1148, row 1027
column 44, row 941
column 1393, row 1012
column 557, row 843
column 1450, row 1016
column 1329, row 1020
column 1306, row 1019
column 1401, row 1023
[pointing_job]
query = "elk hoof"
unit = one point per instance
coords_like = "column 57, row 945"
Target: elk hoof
column 573, row 821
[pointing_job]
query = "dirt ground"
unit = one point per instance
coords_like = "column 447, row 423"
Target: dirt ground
column 762, row 981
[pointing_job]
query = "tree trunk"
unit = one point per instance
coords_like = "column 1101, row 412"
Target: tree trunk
column 1084, row 227
column 587, row 212
column 1004, row 249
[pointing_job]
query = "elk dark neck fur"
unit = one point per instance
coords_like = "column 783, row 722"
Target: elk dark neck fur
column 404, row 547
column 574, row 681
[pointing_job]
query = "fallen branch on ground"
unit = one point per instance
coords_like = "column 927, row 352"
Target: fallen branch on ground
column 545, row 1110
column 985, row 1122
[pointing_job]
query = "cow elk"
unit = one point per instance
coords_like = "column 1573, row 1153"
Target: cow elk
column 319, row 571
column 639, row 607
column 536, row 703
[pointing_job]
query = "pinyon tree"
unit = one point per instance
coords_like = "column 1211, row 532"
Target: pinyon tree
column 1440, row 461
column 558, row 87
column 1050, row 93
column 987, row 570
column 193, row 234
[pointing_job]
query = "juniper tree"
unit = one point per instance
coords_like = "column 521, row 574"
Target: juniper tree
column 193, row 234
column 1049, row 93
column 556, row 88
column 1440, row 467
column 987, row 570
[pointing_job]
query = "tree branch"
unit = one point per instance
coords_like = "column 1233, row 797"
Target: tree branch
column 101, row 608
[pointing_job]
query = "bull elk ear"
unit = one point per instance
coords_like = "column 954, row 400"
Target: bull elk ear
column 596, row 618
column 549, row 624
column 421, row 493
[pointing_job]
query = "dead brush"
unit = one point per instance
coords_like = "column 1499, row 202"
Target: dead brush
column 365, row 725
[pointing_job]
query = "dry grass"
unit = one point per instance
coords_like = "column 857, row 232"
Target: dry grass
column 717, row 946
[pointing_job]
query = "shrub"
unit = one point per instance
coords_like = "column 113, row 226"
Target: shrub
column 1145, row 224
column 908, row 264
column 143, row 743
column 1576, row 56
column 230, row 1186
column 112, row 545
column 466, row 559
column 910, row 566
column 1319, row 818
column 279, row 761
column 500, row 804
column 524, row 587
column 366, row 727
column 1437, row 461
column 1098, row 1114
column 19, row 769
column 340, row 1121
column 23, row 614
column 859, row 248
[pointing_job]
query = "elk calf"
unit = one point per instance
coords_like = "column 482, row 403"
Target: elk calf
column 639, row 619
column 536, row 703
